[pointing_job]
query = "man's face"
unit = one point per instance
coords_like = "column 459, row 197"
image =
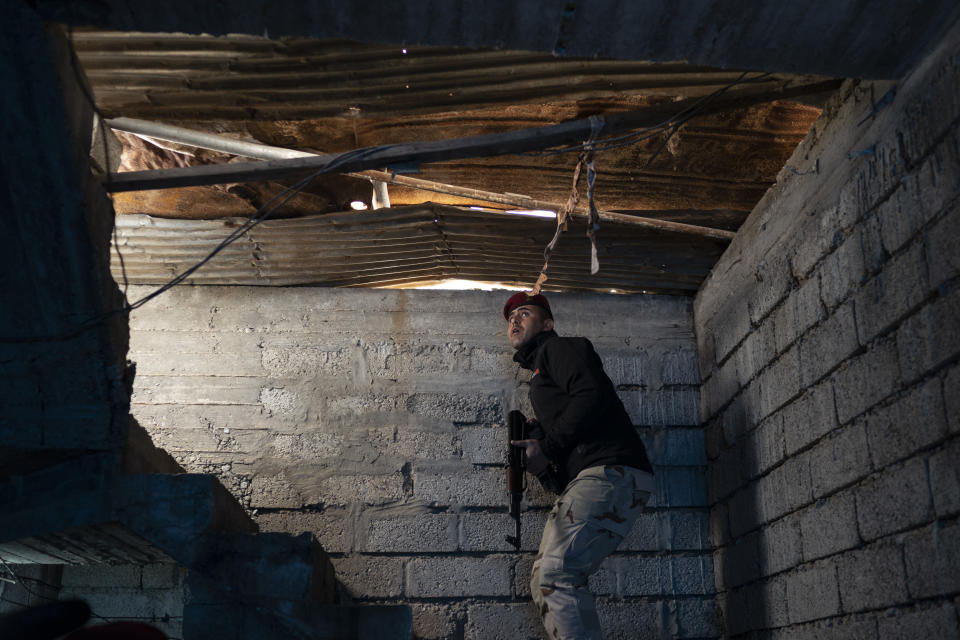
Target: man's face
column 524, row 323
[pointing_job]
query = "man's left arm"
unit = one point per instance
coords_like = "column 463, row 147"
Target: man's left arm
column 575, row 368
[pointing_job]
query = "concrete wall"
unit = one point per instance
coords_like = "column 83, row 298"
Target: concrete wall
column 374, row 419
column 829, row 342
column 152, row 594
column 61, row 360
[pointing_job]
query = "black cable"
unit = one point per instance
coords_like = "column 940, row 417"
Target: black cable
column 670, row 124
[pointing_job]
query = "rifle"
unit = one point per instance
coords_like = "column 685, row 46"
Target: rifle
column 516, row 468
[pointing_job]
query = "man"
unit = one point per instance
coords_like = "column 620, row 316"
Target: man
column 592, row 448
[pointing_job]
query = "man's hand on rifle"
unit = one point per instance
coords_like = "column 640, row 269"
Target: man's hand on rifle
column 536, row 460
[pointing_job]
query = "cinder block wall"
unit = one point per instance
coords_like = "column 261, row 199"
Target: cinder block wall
column 374, row 419
column 152, row 594
column 828, row 338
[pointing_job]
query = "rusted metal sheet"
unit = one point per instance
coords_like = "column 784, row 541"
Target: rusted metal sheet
column 410, row 244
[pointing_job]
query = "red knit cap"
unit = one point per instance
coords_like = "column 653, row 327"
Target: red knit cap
column 522, row 298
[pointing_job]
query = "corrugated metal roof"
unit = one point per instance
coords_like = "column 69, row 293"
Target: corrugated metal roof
column 335, row 95
column 390, row 247
column 197, row 77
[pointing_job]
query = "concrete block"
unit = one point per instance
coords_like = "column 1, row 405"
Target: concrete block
column 780, row 382
column 445, row 577
column 786, row 488
column 829, row 526
column 689, row 575
column 756, row 351
column 744, row 609
column 98, row 576
column 774, row 280
column 633, row 576
column 800, row 311
column 503, row 621
column 488, row 531
column 780, row 545
column 436, row 621
column 666, row 407
column 827, row 345
column 842, row 271
column 716, row 390
column 765, row 448
column 853, row 200
column 461, row 409
column 631, row 366
column 333, row 528
column 344, row 490
column 521, row 576
column 679, row 487
column 850, row 627
column 484, row 446
column 697, row 618
column 675, row 446
column 731, row 324
column 274, row 493
column 937, row 177
column 932, row 558
column 740, row 562
column 688, row 530
column 773, row 600
column 809, row 417
column 630, row 619
column 913, row 421
column 872, row 578
column 370, row 577
column 865, row 380
column 823, row 235
column 679, row 366
column 937, row 620
column 951, row 396
column 417, row 532
column 943, row 248
column 145, row 606
column 448, row 484
column 725, row 474
column 645, row 535
column 746, row 511
column 734, row 421
column 929, row 337
column 719, row 524
column 900, row 216
column 713, row 438
column 812, row 592
column 888, row 296
column 162, row 576
column 945, row 479
column 603, row 582
column 840, row 459
column 199, row 390
column 898, row 498
column 424, row 445
column 871, row 241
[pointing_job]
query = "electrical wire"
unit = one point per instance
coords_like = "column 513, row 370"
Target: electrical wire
column 671, row 124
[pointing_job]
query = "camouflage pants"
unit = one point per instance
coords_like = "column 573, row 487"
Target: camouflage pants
column 588, row 521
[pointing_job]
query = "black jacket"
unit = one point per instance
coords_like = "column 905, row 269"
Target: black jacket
column 584, row 422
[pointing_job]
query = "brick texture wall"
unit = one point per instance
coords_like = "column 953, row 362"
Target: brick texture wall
column 374, row 419
column 828, row 341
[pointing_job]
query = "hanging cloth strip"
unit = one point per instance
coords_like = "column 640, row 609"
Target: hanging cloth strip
column 586, row 158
